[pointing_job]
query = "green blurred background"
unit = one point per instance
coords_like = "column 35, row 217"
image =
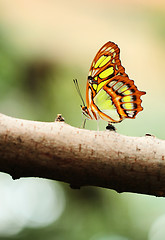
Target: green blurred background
column 44, row 45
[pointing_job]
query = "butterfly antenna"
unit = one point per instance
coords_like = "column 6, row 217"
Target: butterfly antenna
column 78, row 90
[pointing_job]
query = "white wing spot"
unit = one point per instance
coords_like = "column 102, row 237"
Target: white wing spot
column 94, row 72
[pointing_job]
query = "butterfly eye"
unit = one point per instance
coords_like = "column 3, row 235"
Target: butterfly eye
column 89, row 78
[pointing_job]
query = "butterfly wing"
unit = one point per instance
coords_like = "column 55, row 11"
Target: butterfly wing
column 110, row 94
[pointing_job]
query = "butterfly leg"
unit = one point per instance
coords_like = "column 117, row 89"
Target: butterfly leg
column 83, row 122
column 97, row 124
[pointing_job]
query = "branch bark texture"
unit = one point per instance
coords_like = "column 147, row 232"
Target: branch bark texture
column 81, row 157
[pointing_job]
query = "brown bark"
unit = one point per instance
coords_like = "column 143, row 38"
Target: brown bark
column 82, row 157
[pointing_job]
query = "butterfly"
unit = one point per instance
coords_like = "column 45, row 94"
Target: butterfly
column 110, row 94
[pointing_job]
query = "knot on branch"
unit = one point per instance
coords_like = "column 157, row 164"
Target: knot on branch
column 59, row 118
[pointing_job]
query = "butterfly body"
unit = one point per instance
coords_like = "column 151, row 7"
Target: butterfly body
column 110, row 94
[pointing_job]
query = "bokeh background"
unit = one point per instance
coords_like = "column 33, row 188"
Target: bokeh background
column 44, row 45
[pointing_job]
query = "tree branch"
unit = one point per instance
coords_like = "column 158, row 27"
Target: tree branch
column 82, row 157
